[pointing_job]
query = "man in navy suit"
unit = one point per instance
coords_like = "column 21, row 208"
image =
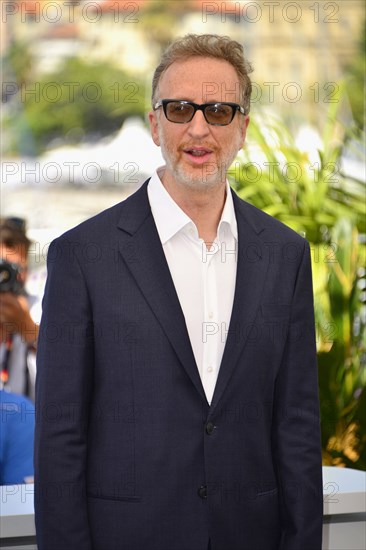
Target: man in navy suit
column 177, row 399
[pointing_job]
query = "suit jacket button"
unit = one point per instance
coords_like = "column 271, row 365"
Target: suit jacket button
column 202, row 492
column 210, row 428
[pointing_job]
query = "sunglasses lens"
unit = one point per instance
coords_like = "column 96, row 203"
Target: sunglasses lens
column 219, row 113
column 179, row 112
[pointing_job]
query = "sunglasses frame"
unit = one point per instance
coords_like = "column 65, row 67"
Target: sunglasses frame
column 164, row 103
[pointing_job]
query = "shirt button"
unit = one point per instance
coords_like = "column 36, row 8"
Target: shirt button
column 210, row 315
column 202, row 492
column 210, row 427
column 209, row 369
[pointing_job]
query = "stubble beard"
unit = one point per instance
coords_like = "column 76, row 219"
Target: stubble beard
column 207, row 176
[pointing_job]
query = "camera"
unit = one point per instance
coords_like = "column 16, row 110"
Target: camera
column 10, row 280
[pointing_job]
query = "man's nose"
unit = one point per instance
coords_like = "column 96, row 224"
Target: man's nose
column 198, row 127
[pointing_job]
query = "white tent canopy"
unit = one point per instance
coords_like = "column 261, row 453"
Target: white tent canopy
column 128, row 158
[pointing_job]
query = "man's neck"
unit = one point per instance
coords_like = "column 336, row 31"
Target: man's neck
column 203, row 206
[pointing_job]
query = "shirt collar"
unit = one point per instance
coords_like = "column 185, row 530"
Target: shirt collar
column 170, row 218
column 228, row 217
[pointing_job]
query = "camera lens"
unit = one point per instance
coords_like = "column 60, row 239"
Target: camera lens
column 9, row 277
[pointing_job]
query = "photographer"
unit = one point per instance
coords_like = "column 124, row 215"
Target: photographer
column 18, row 331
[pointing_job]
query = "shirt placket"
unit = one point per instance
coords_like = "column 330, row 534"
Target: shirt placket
column 211, row 325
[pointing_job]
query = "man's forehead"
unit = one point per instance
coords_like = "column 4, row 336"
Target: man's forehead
column 202, row 79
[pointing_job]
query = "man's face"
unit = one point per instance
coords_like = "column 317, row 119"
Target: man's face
column 201, row 80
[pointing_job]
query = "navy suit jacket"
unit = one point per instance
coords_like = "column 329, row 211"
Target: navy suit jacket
column 128, row 453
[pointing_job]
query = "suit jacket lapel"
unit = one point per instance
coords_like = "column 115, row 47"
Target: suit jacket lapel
column 142, row 252
column 252, row 269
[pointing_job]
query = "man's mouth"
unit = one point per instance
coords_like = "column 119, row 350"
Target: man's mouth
column 197, row 151
column 199, row 154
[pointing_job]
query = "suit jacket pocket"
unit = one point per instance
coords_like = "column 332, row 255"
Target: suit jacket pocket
column 124, row 498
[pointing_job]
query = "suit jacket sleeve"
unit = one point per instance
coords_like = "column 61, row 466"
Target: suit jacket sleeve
column 296, row 431
column 63, row 388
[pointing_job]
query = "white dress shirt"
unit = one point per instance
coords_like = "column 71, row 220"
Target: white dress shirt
column 204, row 279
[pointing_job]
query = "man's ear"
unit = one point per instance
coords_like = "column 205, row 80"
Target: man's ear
column 243, row 130
column 154, row 127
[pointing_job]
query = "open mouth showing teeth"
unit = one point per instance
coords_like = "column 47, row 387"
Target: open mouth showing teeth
column 196, row 153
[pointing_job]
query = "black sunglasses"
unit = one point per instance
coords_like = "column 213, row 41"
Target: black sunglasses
column 181, row 112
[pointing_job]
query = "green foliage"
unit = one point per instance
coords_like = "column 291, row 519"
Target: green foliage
column 309, row 196
column 79, row 99
column 160, row 20
column 17, row 63
column 341, row 358
column 318, row 201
